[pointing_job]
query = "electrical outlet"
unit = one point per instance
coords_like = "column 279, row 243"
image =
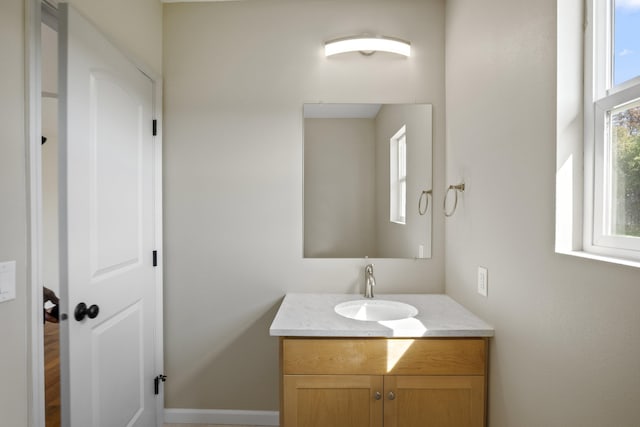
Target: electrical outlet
column 483, row 281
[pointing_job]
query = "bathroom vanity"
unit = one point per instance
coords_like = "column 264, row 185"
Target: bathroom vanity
column 429, row 369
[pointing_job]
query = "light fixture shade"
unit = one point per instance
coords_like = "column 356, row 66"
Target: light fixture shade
column 367, row 45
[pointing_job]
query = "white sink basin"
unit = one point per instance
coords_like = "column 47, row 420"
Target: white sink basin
column 375, row 310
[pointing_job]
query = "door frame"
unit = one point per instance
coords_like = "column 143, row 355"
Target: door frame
column 33, row 111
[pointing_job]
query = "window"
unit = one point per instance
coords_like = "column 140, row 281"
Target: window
column 612, row 129
column 398, row 177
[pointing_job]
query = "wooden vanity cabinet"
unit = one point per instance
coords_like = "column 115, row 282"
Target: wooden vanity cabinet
column 379, row 382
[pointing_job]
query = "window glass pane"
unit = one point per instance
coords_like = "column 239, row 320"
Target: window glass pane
column 403, row 201
column 402, row 176
column 624, row 216
column 626, row 41
column 402, row 157
column 398, row 177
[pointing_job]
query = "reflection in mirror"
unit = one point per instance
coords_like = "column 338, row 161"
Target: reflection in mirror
column 365, row 168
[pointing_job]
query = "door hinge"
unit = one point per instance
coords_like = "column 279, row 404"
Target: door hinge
column 155, row 258
column 156, row 383
column 155, row 127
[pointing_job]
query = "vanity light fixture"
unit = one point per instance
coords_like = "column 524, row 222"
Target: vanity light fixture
column 367, row 45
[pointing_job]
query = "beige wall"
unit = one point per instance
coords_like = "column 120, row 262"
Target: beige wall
column 403, row 240
column 13, row 211
column 339, row 188
column 236, row 77
column 134, row 26
column 50, row 260
column 139, row 29
column 567, row 346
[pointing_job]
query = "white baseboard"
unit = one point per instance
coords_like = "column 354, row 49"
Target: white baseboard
column 221, row 416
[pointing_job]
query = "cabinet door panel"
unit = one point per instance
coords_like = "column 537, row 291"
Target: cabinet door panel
column 331, row 400
column 434, row 401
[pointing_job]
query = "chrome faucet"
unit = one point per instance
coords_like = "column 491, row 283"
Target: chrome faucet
column 369, row 281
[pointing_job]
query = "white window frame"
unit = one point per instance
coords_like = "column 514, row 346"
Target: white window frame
column 398, row 176
column 600, row 98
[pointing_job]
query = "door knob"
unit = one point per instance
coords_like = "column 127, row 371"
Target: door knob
column 82, row 310
column 391, row 395
column 377, row 395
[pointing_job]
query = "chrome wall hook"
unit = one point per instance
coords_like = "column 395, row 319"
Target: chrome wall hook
column 456, row 189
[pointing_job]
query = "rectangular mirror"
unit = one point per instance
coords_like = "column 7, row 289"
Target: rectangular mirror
column 367, row 180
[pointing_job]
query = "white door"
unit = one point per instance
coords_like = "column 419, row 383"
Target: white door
column 106, row 232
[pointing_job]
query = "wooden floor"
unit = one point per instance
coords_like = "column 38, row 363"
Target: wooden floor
column 52, row 374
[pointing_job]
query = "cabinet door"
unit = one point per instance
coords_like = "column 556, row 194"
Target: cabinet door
column 332, row 401
column 434, row 401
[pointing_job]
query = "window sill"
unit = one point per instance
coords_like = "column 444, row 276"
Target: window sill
column 604, row 258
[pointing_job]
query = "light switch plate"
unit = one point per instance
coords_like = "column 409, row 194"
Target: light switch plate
column 7, row 281
column 483, row 281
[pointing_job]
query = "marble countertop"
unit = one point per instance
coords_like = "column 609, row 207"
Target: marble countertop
column 313, row 315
